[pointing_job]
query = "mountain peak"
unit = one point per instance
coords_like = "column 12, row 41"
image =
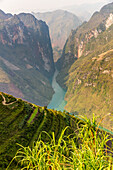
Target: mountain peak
column 3, row 15
column 16, row 18
column 89, row 76
column 25, row 44
column 60, row 23
column 107, row 9
column 28, row 19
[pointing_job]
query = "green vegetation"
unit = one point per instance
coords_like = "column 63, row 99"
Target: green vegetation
column 21, row 123
column 79, row 40
column 86, row 148
column 88, row 78
column 33, row 114
column 49, row 139
column 9, row 99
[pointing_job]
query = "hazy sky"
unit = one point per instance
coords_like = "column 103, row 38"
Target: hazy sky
column 16, row 6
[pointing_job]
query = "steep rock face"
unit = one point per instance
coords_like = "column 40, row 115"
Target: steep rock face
column 109, row 21
column 78, row 42
column 25, row 29
column 26, row 58
column 60, row 23
column 90, row 84
column 89, row 79
column 41, row 43
column 3, row 15
column 12, row 31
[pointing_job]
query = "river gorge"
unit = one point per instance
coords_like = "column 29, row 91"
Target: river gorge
column 57, row 102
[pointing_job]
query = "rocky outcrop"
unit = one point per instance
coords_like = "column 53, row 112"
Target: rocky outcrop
column 3, row 15
column 89, row 79
column 109, row 21
column 80, row 49
column 78, row 43
column 26, row 58
column 26, row 30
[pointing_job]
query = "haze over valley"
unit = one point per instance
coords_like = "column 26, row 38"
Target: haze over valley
column 56, row 85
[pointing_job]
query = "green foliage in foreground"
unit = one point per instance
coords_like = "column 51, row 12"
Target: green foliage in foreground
column 86, row 149
column 22, row 122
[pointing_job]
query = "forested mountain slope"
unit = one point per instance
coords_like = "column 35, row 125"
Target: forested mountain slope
column 76, row 44
column 89, row 79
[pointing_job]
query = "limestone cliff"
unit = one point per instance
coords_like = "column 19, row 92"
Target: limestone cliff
column 78, row 43
column 26, row 58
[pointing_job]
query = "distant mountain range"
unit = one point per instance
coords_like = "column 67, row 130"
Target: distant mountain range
column 86, row 67
column 26, row 70
column 60, row 23
column 85, row 10
column 26, row 58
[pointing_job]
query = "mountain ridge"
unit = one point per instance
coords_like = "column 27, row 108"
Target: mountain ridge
column 60, row 23
column 26, row 58
column 88, row 79
column 75, row 44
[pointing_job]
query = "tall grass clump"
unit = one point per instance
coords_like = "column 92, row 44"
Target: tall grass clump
column 88, row 148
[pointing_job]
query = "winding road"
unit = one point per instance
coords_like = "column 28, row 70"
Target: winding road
column 4, row 101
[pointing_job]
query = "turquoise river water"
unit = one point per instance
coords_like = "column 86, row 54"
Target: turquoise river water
column 58, row 103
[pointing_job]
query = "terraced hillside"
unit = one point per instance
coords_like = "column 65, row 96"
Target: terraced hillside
column 22, row 122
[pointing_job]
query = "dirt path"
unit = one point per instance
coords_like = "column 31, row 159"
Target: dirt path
column 4, row 101
column 103, row 54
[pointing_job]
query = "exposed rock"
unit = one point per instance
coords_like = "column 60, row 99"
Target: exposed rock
column 95, row 32
column 107, row 59
column 100, row 68
column 4, row 77
column 26, row 58
column 29, row 66
column 43, row 82
column 106, row 72
column 109, row 21
column 60, row 23
column 88, row 84
column 78, row 82
column 92, row 33
column 10, row 65
column 80, row 49
column 3, row 15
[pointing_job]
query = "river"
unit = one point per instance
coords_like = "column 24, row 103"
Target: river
column 57, row 102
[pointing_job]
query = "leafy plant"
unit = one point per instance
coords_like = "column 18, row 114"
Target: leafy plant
column 87, row 148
